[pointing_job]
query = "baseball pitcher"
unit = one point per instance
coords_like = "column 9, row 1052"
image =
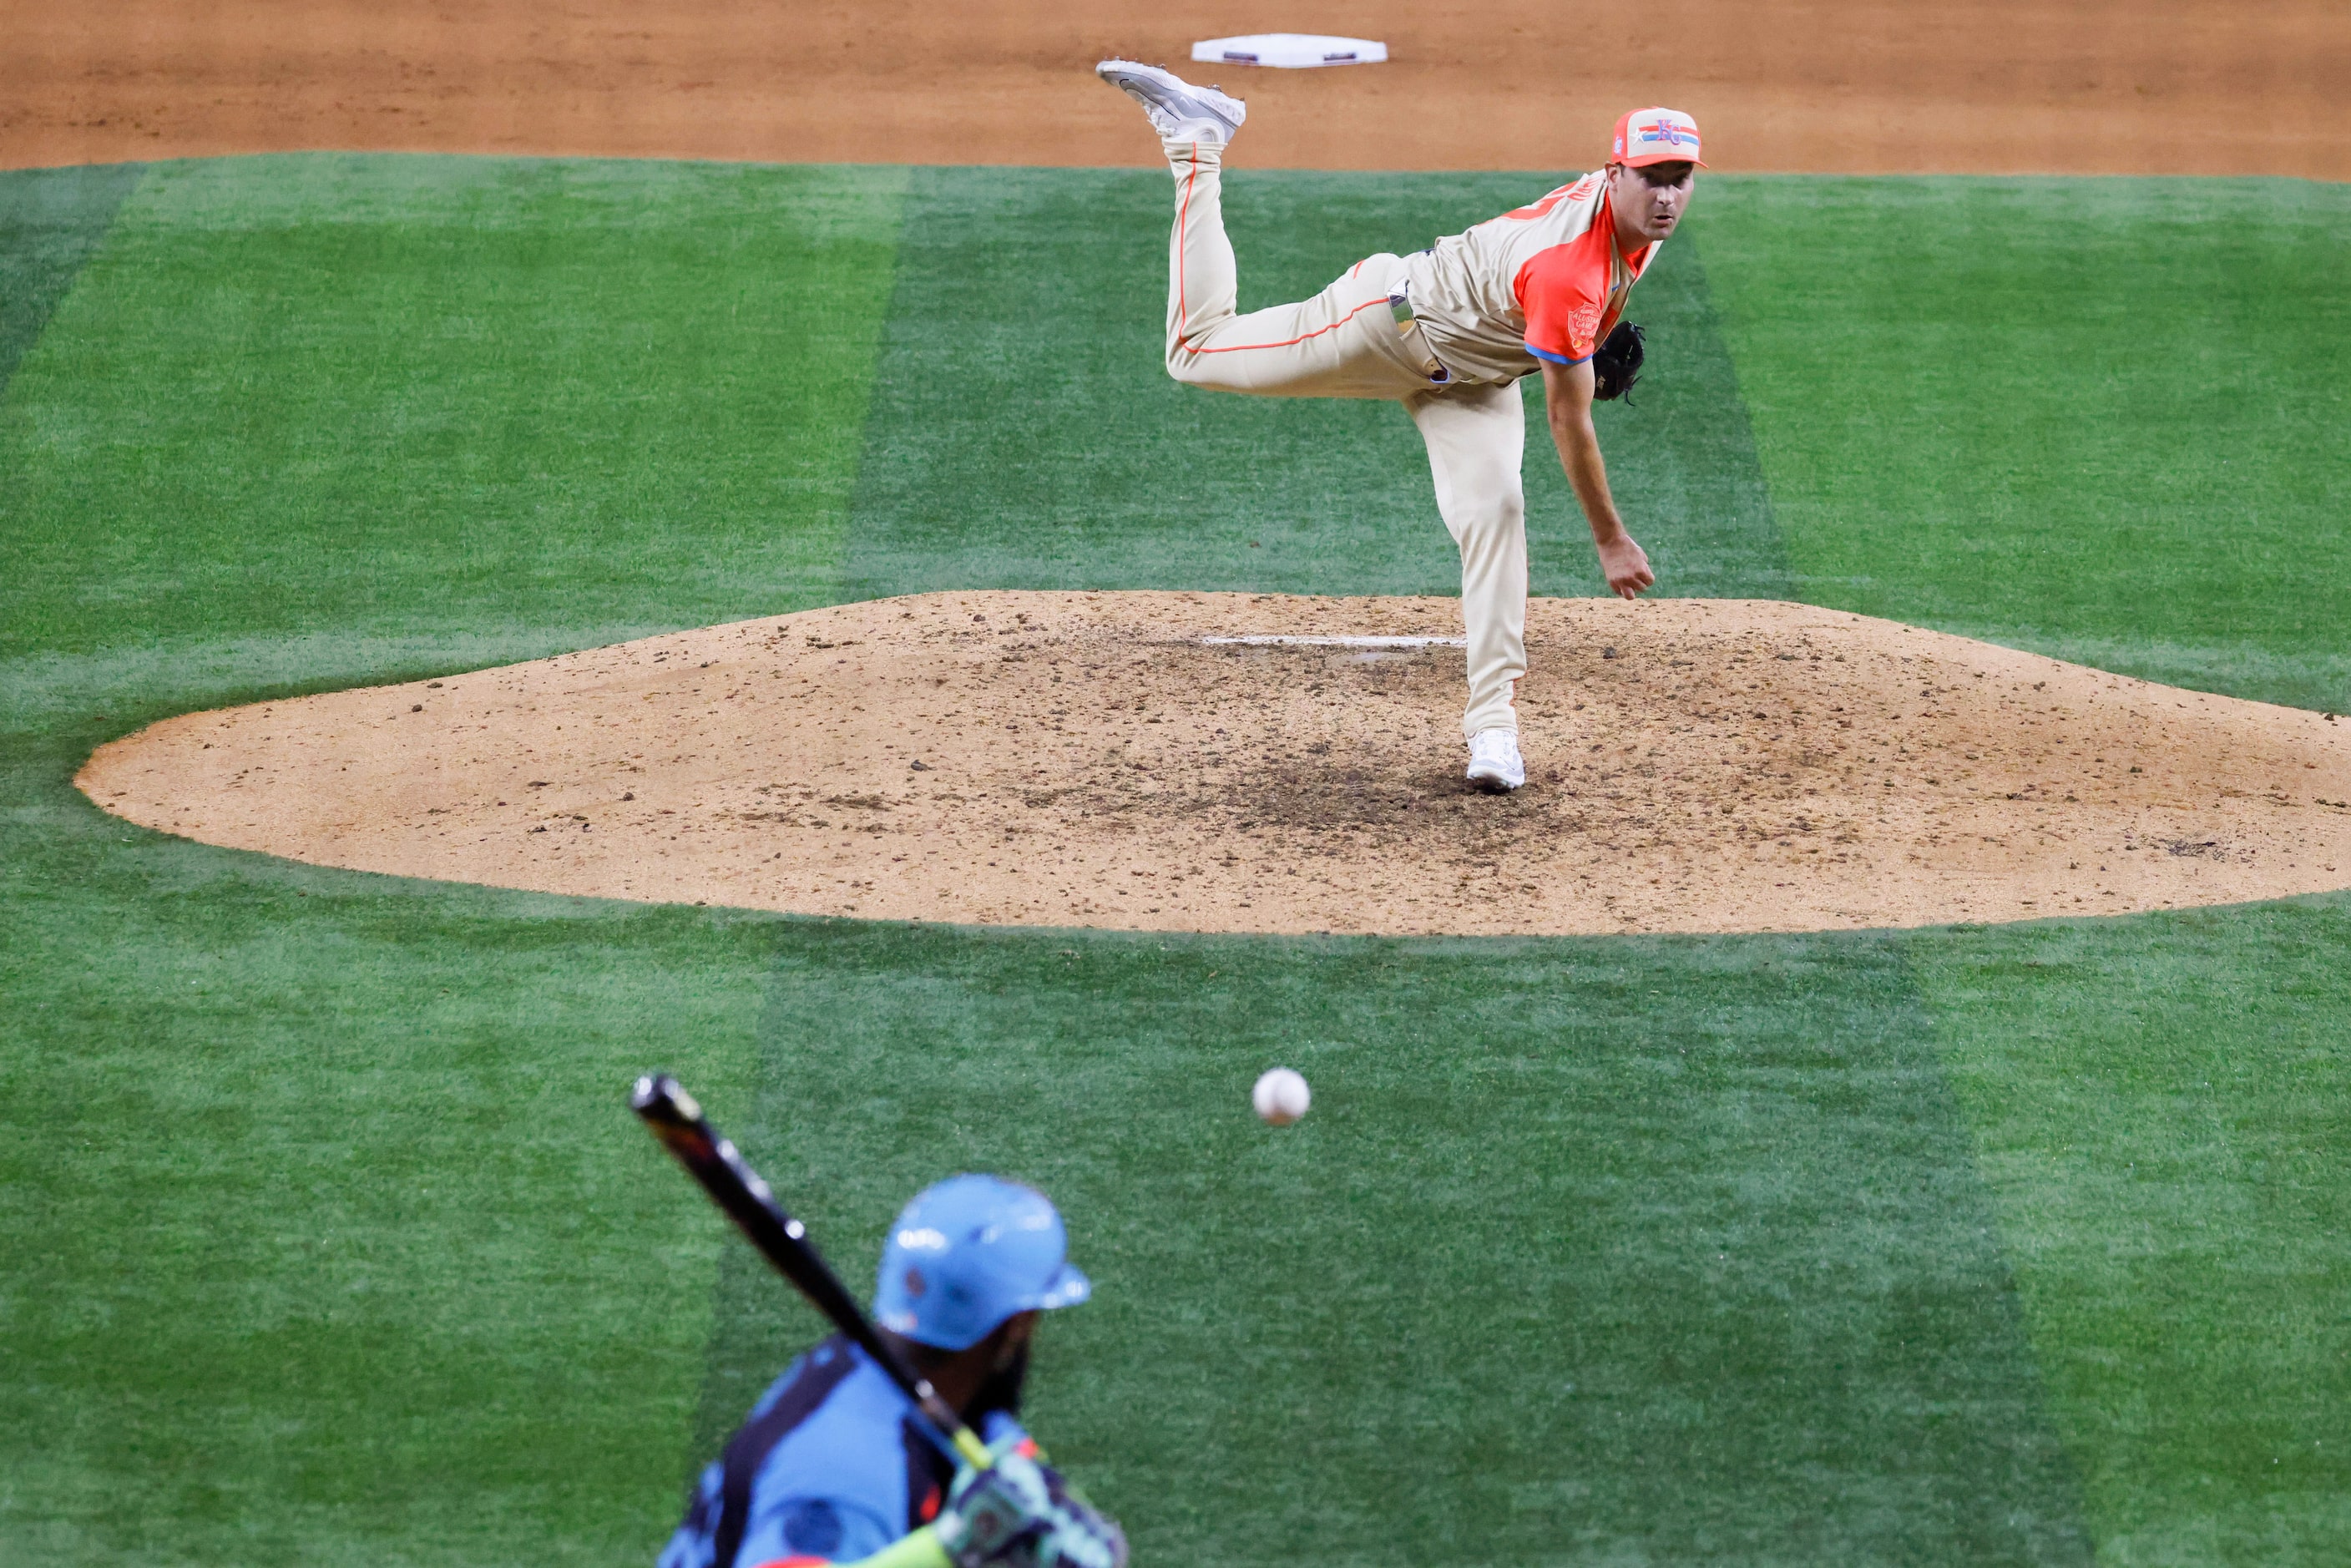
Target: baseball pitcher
column 1447, row 333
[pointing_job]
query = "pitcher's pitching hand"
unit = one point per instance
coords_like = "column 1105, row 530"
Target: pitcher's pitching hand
column 1627, row 566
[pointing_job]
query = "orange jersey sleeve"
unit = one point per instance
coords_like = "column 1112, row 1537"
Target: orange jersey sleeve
column 1563, row 292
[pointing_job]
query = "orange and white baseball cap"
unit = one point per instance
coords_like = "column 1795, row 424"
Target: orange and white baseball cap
column 1655, row 136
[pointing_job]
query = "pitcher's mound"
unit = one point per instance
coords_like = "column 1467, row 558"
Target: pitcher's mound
column 1105, row 760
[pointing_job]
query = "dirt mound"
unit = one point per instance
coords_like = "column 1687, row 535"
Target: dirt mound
column 1117, row 759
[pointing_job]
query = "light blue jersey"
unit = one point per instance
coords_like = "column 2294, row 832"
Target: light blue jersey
column 831, row 1466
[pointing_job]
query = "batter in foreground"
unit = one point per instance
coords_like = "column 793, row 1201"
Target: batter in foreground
column 1447, row 333
column 834, row 1465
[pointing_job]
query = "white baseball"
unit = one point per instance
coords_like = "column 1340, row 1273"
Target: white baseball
column 1281, row 1097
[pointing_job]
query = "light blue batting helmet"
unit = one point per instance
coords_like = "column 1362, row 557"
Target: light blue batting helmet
column 966, row 1254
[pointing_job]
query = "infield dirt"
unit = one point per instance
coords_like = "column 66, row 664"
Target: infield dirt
column 2181, row 86
column 1097, row 759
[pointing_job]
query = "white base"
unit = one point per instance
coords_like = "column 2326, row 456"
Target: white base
column 1293, row 51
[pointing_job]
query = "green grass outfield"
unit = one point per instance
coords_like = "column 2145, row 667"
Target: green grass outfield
column 325, row 1237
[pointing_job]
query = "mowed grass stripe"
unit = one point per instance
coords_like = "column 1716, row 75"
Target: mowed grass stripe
column 1588, row 1252
column 2104, row 418
column 315, row 394
column 1024, row 434
column 326, row 1244
column 52, row 220
column 327, row 1225
column 2161, row 1106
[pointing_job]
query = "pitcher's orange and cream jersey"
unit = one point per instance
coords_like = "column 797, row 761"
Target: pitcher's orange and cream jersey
column 1545, row 282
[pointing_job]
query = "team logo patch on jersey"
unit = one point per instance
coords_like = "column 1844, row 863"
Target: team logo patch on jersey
column 812, row 1526
column 1583, row 323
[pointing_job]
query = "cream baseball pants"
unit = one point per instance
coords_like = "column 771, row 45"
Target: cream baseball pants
column 1347, row 342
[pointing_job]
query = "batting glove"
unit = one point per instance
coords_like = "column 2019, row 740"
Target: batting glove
column 1018, row 1513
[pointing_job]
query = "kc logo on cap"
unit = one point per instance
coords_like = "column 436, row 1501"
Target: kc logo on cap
column 1655, row 136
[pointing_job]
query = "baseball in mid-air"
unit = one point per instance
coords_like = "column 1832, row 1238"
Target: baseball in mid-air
column 1281, row 1097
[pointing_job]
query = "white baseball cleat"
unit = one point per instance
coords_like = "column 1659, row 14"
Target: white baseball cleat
column 1179, row 112
column 1494, row 764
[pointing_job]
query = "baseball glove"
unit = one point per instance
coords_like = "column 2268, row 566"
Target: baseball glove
column 1617, row 363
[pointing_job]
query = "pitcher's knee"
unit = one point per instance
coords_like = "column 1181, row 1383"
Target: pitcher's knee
column 1490, row 519
column 1196, row 370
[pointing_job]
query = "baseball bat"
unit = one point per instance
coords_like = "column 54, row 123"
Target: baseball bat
column 675, row 1118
